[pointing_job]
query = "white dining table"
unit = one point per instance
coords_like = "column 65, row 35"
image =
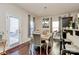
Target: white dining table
column 46, row 37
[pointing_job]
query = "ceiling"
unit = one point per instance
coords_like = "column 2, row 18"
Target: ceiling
column 48, row 9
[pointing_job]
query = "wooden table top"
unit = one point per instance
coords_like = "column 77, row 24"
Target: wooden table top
column 45, row 37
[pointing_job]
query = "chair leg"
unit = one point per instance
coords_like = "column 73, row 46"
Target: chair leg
column 32, row 49
column 40, row 50
column 47, row 49
column 4, row 52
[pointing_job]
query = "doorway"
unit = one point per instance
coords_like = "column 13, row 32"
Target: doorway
column 14, row 34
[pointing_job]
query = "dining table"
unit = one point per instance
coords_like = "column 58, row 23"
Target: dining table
column 45, row 38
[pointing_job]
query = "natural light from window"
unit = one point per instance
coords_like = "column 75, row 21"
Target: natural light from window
column 55, row 26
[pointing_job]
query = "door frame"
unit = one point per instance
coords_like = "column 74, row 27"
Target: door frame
column 8, row 30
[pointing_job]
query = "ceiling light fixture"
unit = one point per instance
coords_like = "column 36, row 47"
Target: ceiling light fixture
column 45, row 7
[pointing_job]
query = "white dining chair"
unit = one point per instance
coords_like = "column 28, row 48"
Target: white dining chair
column 51, row 43
column 35, row 42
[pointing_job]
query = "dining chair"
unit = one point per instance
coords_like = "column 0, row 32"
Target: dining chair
column 51, row 39
column 51, row 42
column 35, row 42
column 2, row 44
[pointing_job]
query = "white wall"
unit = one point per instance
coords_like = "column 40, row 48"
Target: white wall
column 38, row 23
column 7, row 10
column 74, row 14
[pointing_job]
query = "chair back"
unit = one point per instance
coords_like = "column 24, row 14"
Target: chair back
column 51, row 39
column 37, row 39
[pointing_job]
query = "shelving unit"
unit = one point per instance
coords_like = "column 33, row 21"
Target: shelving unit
column 69, row 25
column 70, row 29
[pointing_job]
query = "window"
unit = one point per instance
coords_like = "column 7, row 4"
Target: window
column 55, row 26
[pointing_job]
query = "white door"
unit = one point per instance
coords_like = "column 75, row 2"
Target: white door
column 14, row 35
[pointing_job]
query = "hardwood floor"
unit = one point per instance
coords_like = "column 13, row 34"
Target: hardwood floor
column 23, row 49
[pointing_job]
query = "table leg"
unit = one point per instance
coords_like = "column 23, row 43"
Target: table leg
column 47, row 49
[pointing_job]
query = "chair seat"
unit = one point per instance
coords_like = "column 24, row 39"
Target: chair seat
column 72, row 48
